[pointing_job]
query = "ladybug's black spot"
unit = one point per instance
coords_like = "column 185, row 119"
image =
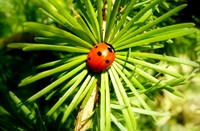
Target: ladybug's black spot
column 96, row 46
column 89, row 58
column 99, row 53
column 107, row 61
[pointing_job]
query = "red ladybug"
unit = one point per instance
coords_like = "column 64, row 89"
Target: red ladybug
column 100, row 57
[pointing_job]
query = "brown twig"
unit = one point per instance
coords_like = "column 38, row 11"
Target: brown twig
column 83, row 121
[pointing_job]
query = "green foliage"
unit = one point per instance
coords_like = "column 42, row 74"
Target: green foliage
column 134, row 76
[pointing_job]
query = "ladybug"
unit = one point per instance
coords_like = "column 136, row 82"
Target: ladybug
column 100, row 57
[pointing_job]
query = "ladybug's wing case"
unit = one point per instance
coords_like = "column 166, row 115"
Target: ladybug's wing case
column 95, row 62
